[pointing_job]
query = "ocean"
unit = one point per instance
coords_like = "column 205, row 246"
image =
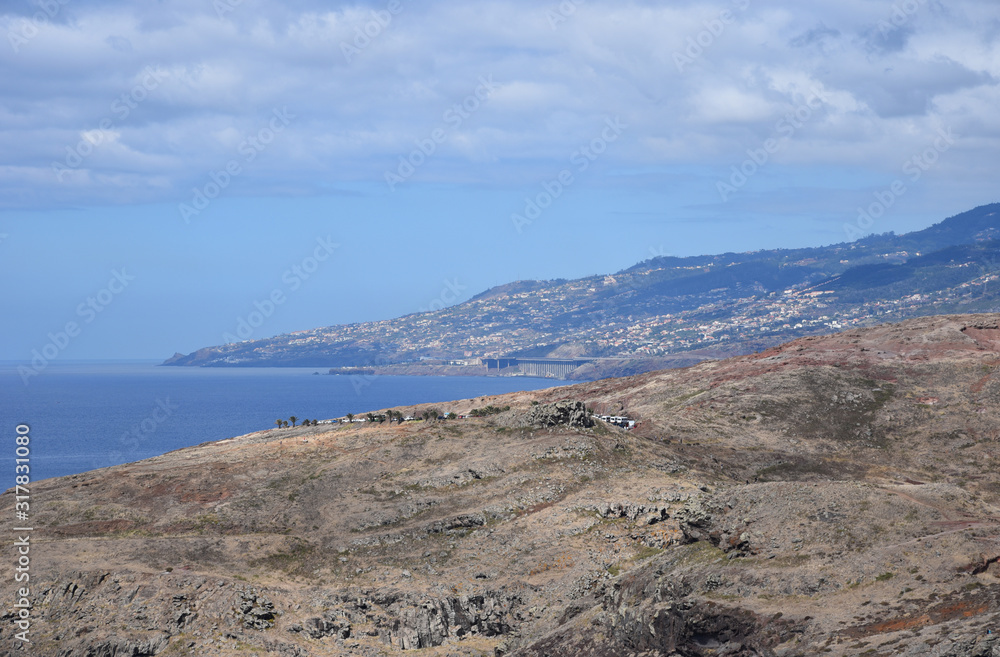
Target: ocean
column 88, row 415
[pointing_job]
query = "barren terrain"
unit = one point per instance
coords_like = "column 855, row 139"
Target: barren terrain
column 836, row 495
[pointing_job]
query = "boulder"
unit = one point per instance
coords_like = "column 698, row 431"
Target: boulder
column 573, row 414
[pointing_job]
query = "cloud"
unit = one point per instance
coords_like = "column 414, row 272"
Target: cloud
column 365, row 85
column 121, row 44
column 885, row 39
column 815, row 36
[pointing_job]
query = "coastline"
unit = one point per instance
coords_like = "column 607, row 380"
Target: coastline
column 599, row 368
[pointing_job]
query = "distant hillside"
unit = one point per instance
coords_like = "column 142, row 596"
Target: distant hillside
column 702, row 306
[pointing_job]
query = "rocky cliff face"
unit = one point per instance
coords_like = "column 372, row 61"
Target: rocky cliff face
column 652, row 612
column 433, row 622
column 832, row 496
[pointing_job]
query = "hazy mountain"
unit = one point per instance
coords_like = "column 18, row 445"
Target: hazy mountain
column 667, row 307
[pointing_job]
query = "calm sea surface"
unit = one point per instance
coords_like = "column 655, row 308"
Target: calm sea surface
column 87, row 415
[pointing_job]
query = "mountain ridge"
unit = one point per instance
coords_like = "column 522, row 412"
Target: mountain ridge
column 667, row 306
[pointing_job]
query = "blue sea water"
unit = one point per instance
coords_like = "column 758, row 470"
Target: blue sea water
column 88, row 415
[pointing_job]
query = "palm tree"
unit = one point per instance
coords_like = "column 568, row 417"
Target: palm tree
column 278, row 422
column 315, row 423
column 292, row 419
column 284, row 424
column 350, row 417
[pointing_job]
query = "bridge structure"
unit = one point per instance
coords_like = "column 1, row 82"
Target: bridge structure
column 542, row 367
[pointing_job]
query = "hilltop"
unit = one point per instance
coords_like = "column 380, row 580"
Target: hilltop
column 833, row 495
column 666, row 311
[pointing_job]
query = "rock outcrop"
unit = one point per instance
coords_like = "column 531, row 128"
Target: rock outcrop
column 653, row 614
column 563, row 413
column 255, row 611
column 433, row 622
column 114, row 647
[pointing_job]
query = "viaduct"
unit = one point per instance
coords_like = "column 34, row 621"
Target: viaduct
column 542, row 367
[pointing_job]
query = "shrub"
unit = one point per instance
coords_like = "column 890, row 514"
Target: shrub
column 489, row 410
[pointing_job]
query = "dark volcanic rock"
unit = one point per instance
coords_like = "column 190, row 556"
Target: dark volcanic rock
column 328, row 626
column 651, row 614
column 255, row 610
column 695, row 520
column 432, row 622
column 118, row 647
column 573, row 414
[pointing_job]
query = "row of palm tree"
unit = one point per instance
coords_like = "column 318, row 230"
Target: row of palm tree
column 283, row 424
column 398, row 416
column 389, row 416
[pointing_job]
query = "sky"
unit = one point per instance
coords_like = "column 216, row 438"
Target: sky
column 167, row 168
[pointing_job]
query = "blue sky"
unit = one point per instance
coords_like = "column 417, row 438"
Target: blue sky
column 202, row 152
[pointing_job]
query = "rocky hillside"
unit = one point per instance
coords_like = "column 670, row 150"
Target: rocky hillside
column 650, row 316
column 836, row 495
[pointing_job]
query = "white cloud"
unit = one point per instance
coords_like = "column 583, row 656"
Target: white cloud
column 728, row 105
column 222, row 78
